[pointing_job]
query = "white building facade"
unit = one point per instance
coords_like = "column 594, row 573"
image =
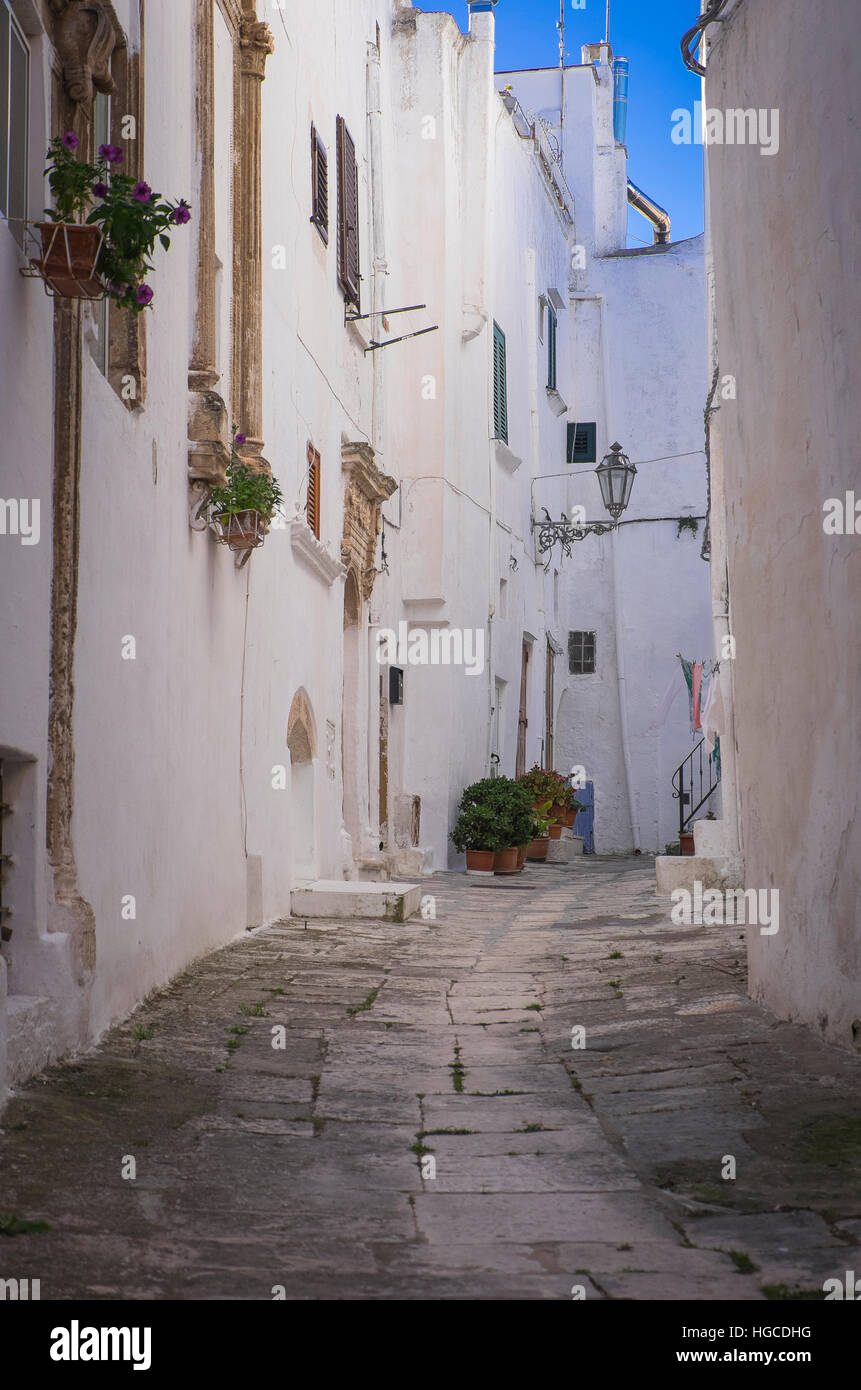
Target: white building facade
column 184, row 741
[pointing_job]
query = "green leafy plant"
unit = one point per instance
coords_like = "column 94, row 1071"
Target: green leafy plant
column 549, row 786
column 541, row 820
column 246, row 490
column 687, row 523
column 130, row 216
column 498, row 809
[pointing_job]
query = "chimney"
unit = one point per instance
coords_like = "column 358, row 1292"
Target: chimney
column 481, row 18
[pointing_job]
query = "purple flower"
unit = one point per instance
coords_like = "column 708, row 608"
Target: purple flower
column 100, row 190
column 142, row 192
column 144, row 294
column 111, row 153
column 240, row 438
column 182, row 214
column 70, row 140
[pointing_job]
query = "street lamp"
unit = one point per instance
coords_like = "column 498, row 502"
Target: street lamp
column 616, row 474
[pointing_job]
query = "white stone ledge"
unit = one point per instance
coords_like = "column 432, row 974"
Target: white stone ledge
column 313, row 553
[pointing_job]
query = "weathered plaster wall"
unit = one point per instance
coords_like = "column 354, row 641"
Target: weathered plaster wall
column 786, row 252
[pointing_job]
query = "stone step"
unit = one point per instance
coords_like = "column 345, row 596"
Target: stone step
column 29, row 1036
column 674, row 871
column 393, row 902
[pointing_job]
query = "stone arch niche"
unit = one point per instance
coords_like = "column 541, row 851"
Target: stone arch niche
column 302, row 744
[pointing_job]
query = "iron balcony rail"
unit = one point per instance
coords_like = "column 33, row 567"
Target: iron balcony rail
column 694, row 781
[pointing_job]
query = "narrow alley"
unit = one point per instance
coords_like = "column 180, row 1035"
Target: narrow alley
column 374, row 1110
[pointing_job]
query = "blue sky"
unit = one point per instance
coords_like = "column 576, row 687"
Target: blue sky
column 648, row 34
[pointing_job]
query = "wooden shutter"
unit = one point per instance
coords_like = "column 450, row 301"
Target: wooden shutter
column 313, row 508
column 348, row 215
column 500, row 393
column 319, row 185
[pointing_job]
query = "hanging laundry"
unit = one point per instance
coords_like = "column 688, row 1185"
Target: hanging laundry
column 687, row 670
column 696, row 695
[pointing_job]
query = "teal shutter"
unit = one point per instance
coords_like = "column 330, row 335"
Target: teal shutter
column 500, row 394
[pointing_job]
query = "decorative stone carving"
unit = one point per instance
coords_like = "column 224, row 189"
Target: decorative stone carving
column 255, row 43
column 366, row 490
column 85, row 36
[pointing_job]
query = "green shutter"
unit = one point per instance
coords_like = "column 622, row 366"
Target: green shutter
column 500, row 395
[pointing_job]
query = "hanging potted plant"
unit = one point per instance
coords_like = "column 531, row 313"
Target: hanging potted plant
column 107, row 251
column 242, row 508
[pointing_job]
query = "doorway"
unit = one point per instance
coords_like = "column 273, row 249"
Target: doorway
column 303, row 831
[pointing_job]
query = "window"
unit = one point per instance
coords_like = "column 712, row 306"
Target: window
column 551, row 348
column 581, row 653
column 14, row 121
column 500, row 393
column 582, row 440
column 319, row 185
column 348, row 215
column 313, row 505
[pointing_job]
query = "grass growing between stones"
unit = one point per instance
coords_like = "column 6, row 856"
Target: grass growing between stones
column 257, row 1010
column 11, row 1225
column 743, row 1263
column 366, row 1004
column 458, row 1071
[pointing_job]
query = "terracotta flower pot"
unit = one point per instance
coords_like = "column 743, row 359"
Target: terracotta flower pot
column 557, row 810
column 537, row 850
column 686, row 842
column 480, row 861
column 569, row 819
column 521, row 857
column 70, row 254
column 242, row 530
column 556, row 831
column 505, row 861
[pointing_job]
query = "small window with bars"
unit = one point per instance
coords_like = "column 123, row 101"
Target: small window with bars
column 551, row 348
column 582, row 443
column 319, row 185
column 14, row 122
column 581, row 653
column 500, row 388
column 312, row 511
column 349, row 277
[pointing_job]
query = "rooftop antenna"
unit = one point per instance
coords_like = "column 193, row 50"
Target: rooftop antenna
column 607, row 24
column 561, row 27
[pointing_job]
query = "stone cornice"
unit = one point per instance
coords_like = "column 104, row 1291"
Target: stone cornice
column 313, row 553
column 357, row 461
column 86, row 32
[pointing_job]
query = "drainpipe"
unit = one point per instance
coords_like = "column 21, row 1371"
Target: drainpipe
column 378, row 235
column 652, row 211
column 633, row 811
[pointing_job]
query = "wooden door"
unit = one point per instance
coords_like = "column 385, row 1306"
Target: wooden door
column 549, row 705
column 522, row 721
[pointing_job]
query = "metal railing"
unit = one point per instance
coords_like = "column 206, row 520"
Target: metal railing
column 694, row 781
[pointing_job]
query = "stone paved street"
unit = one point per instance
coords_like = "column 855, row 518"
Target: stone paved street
column 555, row 1167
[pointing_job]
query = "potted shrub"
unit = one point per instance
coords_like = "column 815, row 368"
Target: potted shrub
column 536, row 850
column 495, row 814
column 245, row 504
column 107, row 251
column 476, row 833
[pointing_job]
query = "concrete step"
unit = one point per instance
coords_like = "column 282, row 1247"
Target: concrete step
column 29, row 1036
column 674, row 871
column 569, row 846
column 393, row 902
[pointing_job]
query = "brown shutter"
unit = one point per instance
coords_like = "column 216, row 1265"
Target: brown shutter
column 319, row 185
column 348, row 216
column 313, row 510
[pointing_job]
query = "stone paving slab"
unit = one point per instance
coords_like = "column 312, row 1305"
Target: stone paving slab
column 318, row 1166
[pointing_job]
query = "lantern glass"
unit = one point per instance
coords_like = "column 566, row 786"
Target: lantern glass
column 616, row 474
